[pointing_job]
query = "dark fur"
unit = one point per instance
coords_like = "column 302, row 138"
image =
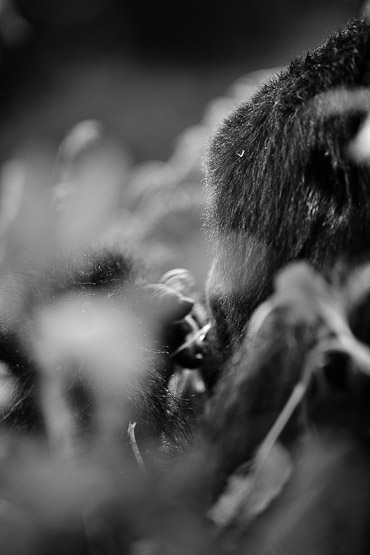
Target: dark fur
column 282, row 186
column 281, row 183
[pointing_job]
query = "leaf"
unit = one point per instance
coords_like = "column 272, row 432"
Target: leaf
column 299, row 287
column 249, row 493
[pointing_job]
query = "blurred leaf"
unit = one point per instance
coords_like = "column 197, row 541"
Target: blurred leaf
column 250, row 493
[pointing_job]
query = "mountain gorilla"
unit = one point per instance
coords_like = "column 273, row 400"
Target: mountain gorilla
column 282, row 182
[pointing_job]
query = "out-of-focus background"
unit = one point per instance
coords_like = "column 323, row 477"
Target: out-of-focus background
column 159, row 76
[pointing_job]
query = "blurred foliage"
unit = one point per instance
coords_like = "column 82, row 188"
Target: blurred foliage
column 59, row 495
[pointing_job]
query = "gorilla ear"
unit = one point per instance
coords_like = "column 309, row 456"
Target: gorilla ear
column 179, row 279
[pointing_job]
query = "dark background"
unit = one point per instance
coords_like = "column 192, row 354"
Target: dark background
column 147, row 69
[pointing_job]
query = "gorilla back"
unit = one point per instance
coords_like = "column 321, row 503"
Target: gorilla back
column 281, row 181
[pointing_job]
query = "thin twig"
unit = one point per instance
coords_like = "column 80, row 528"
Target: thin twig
column 294, row 400
column 134, row 446
column 198, row 336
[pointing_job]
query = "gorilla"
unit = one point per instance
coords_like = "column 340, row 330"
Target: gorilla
column 283, row 183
